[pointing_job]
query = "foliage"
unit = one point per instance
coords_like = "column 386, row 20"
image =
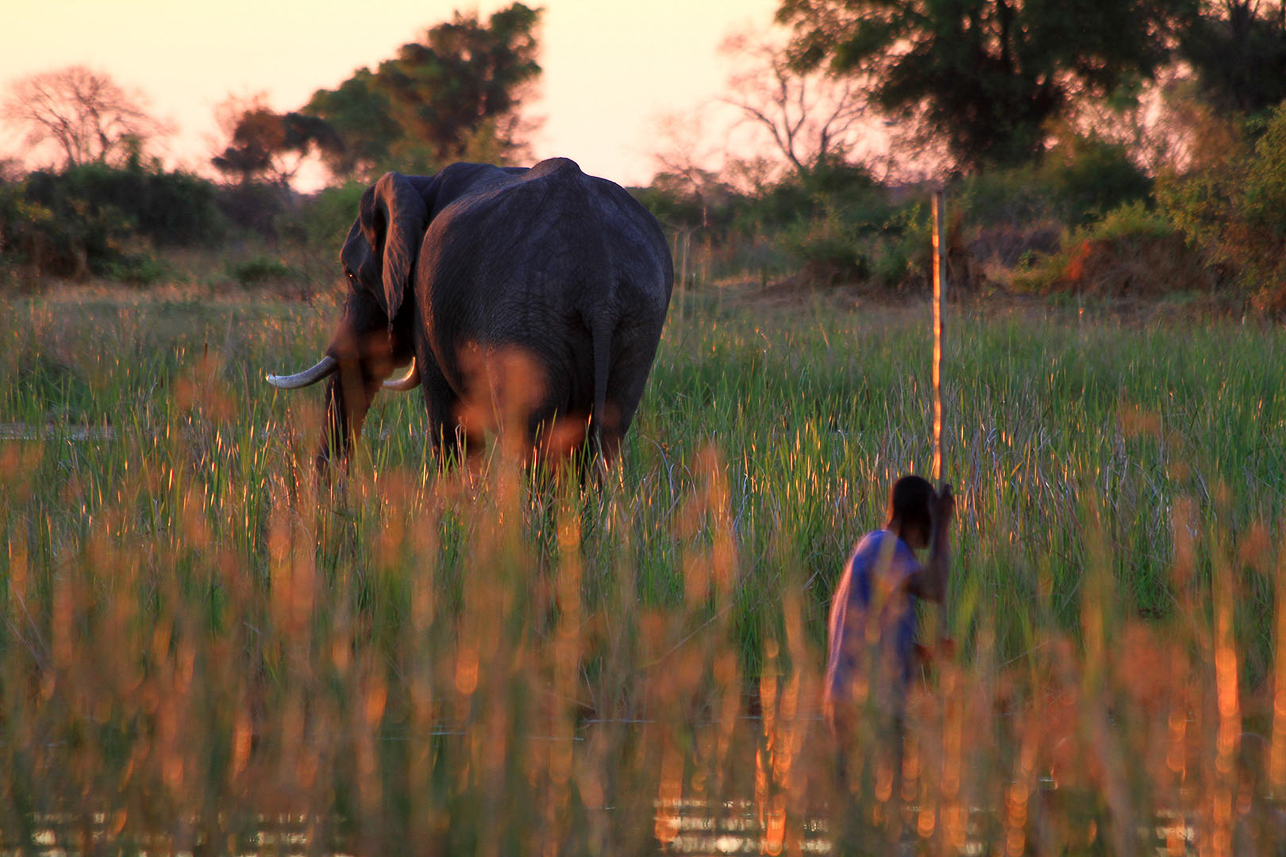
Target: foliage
column 84, row 219
column 84, row 113
column 321, row 221
column 361, row 115
column 168, row 208
column 1087, row 177
column 830, row 185
column 828, row 249
column 986, row 76
column 1233, row 204
column 834, row 221
column 262, row 141
column 254, row 207
column 438, row 100
column 23, row 228
column 1075, row 183
column 59, row 234
column 136, row 269
column 1132, row 251
column 258, row 270
column 1240, row 56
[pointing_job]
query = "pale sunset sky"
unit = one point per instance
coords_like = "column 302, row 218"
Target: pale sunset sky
column 611, row 67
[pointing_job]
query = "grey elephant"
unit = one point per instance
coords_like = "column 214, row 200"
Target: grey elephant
column 447, row 272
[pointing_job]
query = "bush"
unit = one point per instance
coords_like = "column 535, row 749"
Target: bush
column 1086, row 177
column 136, row 269
column 829, row 250
column 259, row 270
column 79, row 221
column 1233, row 207
column 322, row 221
column 1019, row 213
column 64, row 237
column 1133, row 250
column 168, row 208
column 253, row 207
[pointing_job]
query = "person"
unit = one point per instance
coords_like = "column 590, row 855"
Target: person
column 872, row 652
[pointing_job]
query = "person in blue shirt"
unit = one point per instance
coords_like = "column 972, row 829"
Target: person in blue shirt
column 871, row 652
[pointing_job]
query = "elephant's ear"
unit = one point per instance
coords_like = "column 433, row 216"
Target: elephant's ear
column 394, row 218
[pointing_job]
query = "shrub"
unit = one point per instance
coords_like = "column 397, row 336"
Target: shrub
column 322, row 220
column 168, row 208
column 1233, row 207
column 828, row 249
column 136, row 269
column 1020, row 213
column 1133, row 250
column 258, row 270
column 79, row 221
column 1087, row 177
column 60, row 236
column 253, row 207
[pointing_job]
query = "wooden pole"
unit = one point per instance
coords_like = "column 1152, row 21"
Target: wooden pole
column 945, row 647
column 939, row 294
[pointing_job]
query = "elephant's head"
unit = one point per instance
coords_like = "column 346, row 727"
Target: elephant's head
column 375, row 331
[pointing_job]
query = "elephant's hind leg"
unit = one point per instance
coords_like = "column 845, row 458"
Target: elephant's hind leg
column 442, row 405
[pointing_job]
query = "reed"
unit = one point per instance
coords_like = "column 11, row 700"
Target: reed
column 202, row 651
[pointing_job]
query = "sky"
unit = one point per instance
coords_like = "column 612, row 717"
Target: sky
column 612, row 68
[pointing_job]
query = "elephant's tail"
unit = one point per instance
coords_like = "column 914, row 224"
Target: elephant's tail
column 601, row 333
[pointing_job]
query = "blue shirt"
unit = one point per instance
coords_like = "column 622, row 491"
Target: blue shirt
column 871, row 641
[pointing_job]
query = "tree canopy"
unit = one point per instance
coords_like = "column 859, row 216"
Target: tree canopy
column 984, row 76
column 266, row 145
column 439, row 99
column 1238, row 48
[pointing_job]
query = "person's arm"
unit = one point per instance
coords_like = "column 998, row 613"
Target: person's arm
column 931, row 582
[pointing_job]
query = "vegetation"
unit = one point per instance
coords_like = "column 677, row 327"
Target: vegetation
column 86, row 116
column 91, row 219
column 205, row 650
column 987, row 76
column 1239, row 50
column 455, row 95
column 202, row 652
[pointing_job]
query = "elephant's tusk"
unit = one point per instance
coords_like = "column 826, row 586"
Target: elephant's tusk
column 409, row 381
column 323, row 368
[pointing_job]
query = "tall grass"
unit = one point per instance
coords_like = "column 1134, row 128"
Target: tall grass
column 203, row 651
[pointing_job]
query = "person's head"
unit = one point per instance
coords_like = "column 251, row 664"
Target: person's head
column 909, row 502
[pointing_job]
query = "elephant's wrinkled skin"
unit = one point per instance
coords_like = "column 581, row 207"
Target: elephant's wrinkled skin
column 563, row 269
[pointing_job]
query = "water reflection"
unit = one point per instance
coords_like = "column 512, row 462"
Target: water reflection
column 700, row 828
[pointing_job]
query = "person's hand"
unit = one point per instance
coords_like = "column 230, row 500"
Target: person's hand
column 942, row 509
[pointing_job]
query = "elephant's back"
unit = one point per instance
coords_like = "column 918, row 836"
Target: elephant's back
column 530, row 261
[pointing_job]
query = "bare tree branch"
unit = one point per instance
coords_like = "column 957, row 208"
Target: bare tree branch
column 810, row 117
column 84, row 113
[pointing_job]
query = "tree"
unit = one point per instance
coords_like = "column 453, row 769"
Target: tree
column 456, row 92
column 269, row 146
column 361, row 115
column 811, row 118
column 83, row 112
column 1238, row 48
column 985, row 76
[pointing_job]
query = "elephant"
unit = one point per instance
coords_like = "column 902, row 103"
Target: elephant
column 452, row 272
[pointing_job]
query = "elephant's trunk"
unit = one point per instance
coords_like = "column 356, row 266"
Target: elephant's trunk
column 363, row 357
column 348, row 398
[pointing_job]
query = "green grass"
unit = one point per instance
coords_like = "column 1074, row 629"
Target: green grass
column 198, row 648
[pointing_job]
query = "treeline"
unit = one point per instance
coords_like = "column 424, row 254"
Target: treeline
column 1099, row 146
column 109, row 211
